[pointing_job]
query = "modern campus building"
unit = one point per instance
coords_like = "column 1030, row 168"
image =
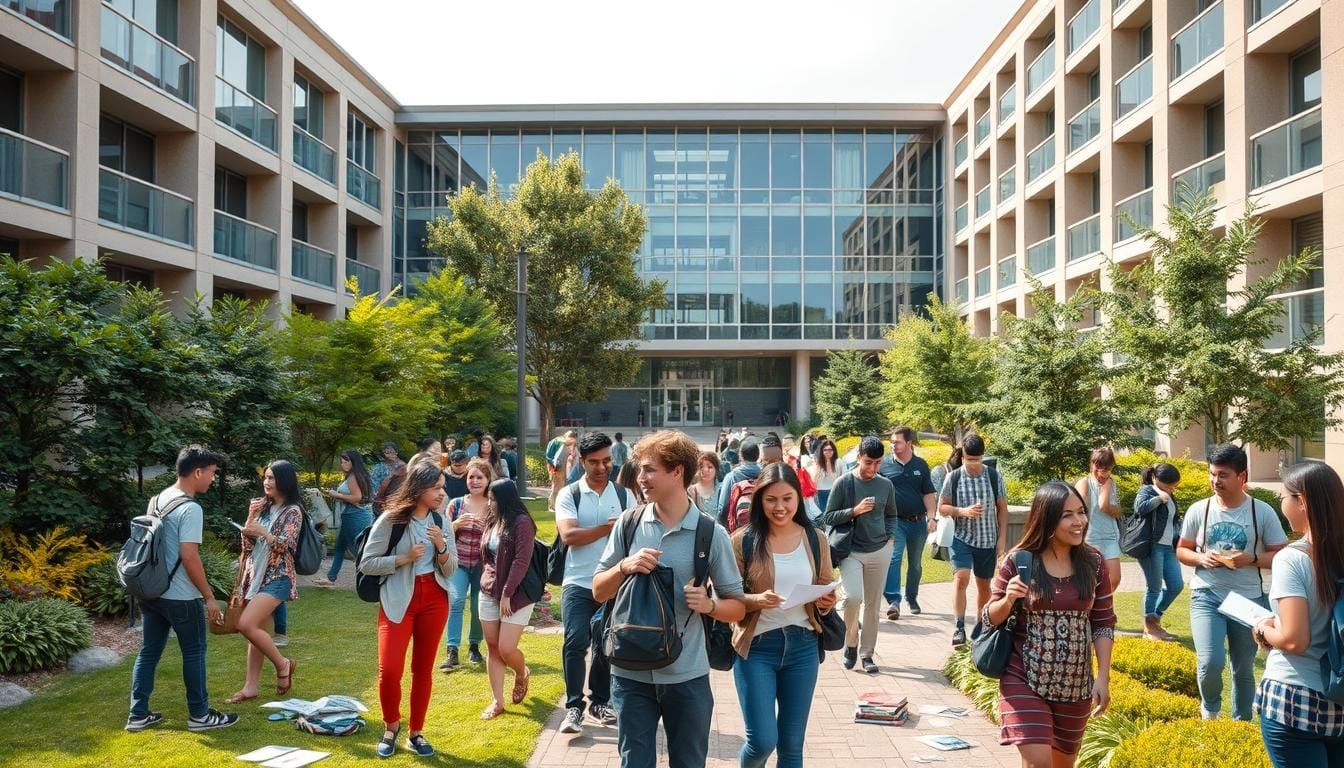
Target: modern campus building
column 241, row 152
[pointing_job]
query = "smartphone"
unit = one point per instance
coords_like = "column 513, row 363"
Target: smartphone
column 1024, row 573
column 870, row 499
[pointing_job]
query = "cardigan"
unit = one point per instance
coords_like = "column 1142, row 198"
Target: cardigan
column 399, row 586
column 504, row 569
column 279, row 558
column 762, row 577
column 1149, row 505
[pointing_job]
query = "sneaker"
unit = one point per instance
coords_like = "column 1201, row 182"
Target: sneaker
column 893, row 611
column 851, row 656
column 914, row 607
column 141, row 723
column 323, row 581
column 602, row 713
column 451, row 663
column 280, row 640
column 573, row 721
column 475, row 655
column 869, row 666
column 420, row 745
column 212, row 720
column 959, row 636
column 387, row 746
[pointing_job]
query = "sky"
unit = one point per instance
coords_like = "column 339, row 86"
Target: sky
column 610, row 51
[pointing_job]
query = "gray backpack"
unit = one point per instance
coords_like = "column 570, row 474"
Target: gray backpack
column 142, row 565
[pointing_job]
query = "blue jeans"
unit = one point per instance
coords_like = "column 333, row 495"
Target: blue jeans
column 281, row 617
column 1210, row 629
column 1291, row 748
column 1161, row 568
column 187, row 619
column 576, row 609
column 465, row 581
column 780, row 668
column 352, row 524
column 822, row 498
column 685, row 709
column 909, row 542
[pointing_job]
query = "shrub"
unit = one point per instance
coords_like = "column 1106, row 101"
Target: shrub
column 219, row 570
column 1194, row 744
column 54, row 560
column 537, row 473
column 100, row 591
column 1165, row 666
column 41, row 634
column 21, row 591
column 1138, row 701
column 1104, row 735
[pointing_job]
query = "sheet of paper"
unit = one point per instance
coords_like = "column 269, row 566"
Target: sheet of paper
column 1240, row 609
column 295, row 759
column 944, row 742
column 801, row 594
column 266, row 753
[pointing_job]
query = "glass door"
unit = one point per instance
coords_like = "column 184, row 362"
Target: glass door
column 694, row 399
column 672, row 406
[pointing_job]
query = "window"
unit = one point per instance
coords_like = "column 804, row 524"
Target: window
column 352, row 242
column 308, row 106
column 300, row 222
column 1309, row 232
column 123, row 274
column 1213, row 129
column 11, row 101
column 1094, row 86
column 230, row 192
column 1096, row 192
column 125, row 148
column 1306, row 80
column 360, row 139
column 1148, row 165
column 1145, row 42
column 158, row 16
column 240, row 59
column 1050, row 122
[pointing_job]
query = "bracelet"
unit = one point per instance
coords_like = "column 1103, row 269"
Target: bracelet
column 443, row 551
column 713, row 605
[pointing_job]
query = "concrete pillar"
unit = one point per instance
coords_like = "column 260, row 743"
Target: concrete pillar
column 802, row 384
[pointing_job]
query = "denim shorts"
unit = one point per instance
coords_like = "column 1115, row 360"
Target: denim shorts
column 279, row 589
column 982, row 561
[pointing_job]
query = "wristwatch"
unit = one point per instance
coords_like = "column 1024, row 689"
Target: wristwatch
column 443, row 551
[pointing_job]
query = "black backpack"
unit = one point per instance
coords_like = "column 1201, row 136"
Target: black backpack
column 367, row 586
column 558, row 551
column 533, row 585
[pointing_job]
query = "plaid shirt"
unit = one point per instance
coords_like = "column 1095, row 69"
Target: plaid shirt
column 468, row 536
column 1300, row 708
column 982, row 532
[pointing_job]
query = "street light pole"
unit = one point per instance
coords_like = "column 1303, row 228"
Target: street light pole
column 522, row 371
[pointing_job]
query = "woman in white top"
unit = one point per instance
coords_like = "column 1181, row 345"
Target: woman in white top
column 1103, row 510
column 492, row 456
column 704, row 492
column 825, row 471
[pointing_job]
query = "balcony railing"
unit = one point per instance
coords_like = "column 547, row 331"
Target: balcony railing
column 1287, row 149
column 1041, row 69
column 1084, row 25
column 1197, row 41
column 960, row 216
column 363, row 185
column 982, row 128
column 1041, row 256
column 1134, row 89
column 368, row 277
column 33, row 171
column 308, row 262
column 1041, row 158
column 245, row 114
column 1008, row 184
column 982, row 201
column 1304, row 317
column 52, row 14
column 314, row 156
column 963, row 291
column 147, row 56
column 1084, row 126
column 1085, row 237
column 961, row 151
column 1198, row 179
column 134, row 204
column 1008, row 104
column 982, row 282
column 1262, row 9
column 242, row 240
column 1133, row 214
column 1007, row 272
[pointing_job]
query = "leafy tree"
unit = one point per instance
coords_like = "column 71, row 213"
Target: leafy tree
column 585, row 299
column 846, row 396
column 1046, row 410
column 1197, row 347
column 936, row 372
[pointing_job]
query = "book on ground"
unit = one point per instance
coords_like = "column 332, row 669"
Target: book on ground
column 266, row 753
column 295, row 759
column 880, row 699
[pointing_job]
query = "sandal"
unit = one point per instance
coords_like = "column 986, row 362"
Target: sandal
column 288, row 677
column 520, row 686
column 239, row 698
column 492, row 711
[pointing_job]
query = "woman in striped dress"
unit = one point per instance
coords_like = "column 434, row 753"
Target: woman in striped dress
column 1048, row 691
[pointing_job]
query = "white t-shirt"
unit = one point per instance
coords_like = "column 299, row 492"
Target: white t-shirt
column 594, row 510
column 1231, row 529
column 791, row 570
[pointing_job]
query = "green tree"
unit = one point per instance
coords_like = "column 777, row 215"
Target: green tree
column 936, row 372
column 1198, row 348
column 846, row 396
column 585, row 298
column 1046, row 410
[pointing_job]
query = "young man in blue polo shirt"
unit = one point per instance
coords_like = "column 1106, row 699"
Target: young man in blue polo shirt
column 915, row 499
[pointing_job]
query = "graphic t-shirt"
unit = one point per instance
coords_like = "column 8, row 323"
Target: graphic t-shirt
column 1232, row 530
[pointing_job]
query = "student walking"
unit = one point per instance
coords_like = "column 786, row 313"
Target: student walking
column 467, row 514
column 974, row 495
column 557, row 455
column 825, row 471
column 915, row 504
column 354, row 500
column 510, row 534
column 1066, row 619
column 705, row 490
column 1104, row 510
column 412, row 547
column 1156, row 505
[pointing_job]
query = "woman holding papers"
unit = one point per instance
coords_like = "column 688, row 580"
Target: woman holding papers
column 1301, row 727
column 778, row 644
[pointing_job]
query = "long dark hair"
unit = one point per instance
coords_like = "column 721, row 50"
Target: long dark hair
column 1165, row 473
column 286, row 482
column 627, row 478
column 1316, row 484
column 1047, row 509
column 494, row 459
column 419, row 478
column 508, row 507
column 827, row 465
column 360, row 474
column 779, row 472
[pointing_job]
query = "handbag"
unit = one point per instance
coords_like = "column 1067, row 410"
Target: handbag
column 991, row 646
column 233, row 611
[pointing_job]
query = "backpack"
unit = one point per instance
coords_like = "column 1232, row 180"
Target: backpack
column 533, row 585
column 953, row 479
column 738, row 512
column 142, row 566
column 1332, row 661
column 555, row 564
column 311, row 548
column 367, row 586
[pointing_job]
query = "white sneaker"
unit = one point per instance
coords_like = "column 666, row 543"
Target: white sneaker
column 573, row 721
column 280, row 640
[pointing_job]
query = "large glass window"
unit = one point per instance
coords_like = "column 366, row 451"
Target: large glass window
column 360, row 140
column 309, row 106
column 158, row 16
column 240, row 59
column 11, row 101
column 125, row 148
column 597, row 166
column 1306, row 80
column 231, row 193
column 504, row 159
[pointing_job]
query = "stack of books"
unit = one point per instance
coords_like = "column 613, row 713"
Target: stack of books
column 879, row 708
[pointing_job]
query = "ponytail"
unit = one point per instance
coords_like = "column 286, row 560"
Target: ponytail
column 1163, row 472
column 954, row 459
column 1148, row 476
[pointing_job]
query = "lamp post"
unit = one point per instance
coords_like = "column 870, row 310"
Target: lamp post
column 522, row 371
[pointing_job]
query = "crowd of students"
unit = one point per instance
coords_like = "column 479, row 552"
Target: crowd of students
column 452, row 530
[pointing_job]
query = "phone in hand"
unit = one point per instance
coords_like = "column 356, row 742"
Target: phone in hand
column 870, row 499
column 1024, row 573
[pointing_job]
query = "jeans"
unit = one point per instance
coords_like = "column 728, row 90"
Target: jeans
column 1291, row 748
column 1159, row 568
column 862, row 574
column 1210, row 628
column 465, row 581
column 685, row 709
column 909, row 542
column 281, row 618
column 187, row 619
column 352, row 524
column 823, row 496
column 780, row 668
column 576, row 609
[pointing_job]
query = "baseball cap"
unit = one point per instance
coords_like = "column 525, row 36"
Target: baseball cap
column 457, row 457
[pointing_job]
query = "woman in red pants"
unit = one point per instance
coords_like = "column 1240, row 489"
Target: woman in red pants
column 412, row 547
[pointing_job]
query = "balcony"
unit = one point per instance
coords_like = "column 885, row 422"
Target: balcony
column 982, row 128
column 32, row 171
column 960, row 152
column 1287, row 149
column 1084, row 25
column 1198, row 179
column 1303, row 318
column 369, row 279
column 1134, row 89
column 1008, row 104
column 1007, row 184
column 1041, row 69
column 146, row 56
column 982, row 201
column 1084, row 126
column 55, row 16
column 1133, row 214
column 1041, row 256
column 362, row 185
column 982, row 282
column 314, row 156
column 312, row 264
column 245, row 114
column 1007, row 272
column 130, row 203
column 1263, row 9
column 1085, row 238
column 959, row 217
column 1197, row 41
column 241, row 240
column 1041, row 158
column 962, row 291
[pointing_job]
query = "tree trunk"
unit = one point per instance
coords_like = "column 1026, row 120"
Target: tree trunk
column 547, row 417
